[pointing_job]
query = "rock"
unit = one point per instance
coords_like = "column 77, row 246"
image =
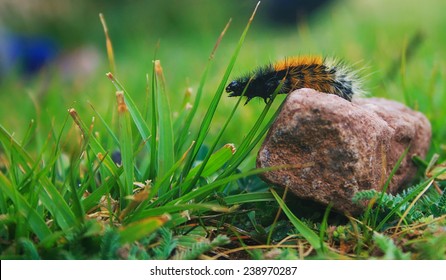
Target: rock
column 342, row 147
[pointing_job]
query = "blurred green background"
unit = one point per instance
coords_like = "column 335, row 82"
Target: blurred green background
column 399, row 45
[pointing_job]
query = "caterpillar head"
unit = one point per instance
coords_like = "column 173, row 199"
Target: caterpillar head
column 255, row 88
column 236, row 88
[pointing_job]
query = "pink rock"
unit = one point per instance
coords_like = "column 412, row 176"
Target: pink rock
column 343, row 147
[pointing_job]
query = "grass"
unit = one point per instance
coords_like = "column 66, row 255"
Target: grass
column 173, row 178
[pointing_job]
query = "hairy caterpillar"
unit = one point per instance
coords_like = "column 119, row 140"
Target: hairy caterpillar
column 324, row 75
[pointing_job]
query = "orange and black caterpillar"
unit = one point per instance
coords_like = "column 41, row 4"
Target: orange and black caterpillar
column 324, row 75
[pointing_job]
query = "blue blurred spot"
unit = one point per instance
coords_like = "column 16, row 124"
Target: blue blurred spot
column 26, row 54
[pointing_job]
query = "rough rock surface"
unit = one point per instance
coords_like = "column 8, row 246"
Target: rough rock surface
column 342, row 147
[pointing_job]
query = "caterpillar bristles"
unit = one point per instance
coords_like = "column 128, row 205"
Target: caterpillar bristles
column 324, row 75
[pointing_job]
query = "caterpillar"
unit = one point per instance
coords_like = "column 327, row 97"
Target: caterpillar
column 322, row 74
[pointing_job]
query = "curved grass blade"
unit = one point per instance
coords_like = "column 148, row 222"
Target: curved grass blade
column 49, row 195
column 306, row 232
column 93, row 199
column 216, row 161
column 108, row 44
column 94, row 144
column 154, row 190
column 206, row 190
column 204, row 128
column 183, row 135
column 248, row 197
column 211, row 149
column 386, row 186
column 248, row 144
column 171, row 209
column 24, row 209
column 107, row 127
column 139, row 229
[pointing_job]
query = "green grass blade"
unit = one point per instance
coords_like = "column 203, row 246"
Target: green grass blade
column 204, row 128
column 56, row 204
column 248, row 144
column 154, row 190
column 139, row 229
column 171, row 209
column 387, row 183
column 206, row 190
column 137, row 117
column 58, row 149
column 324, row 227
column 248, row 197
column 108, row 45
column 3, row 204
column 166, row 144
column 126, row 145
column 107, row 127
column 306, row 232
column 92, row 200
column 105, row 160
column 94, row 144
column 168, row 175
column 74, row 191
column 413, row 194
column 29, row 249
column 211, row 149
column 216, row 161
column 29, row 133
column 153, row 165
column 49, row 194
column 187, row 123
column 33, row 219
